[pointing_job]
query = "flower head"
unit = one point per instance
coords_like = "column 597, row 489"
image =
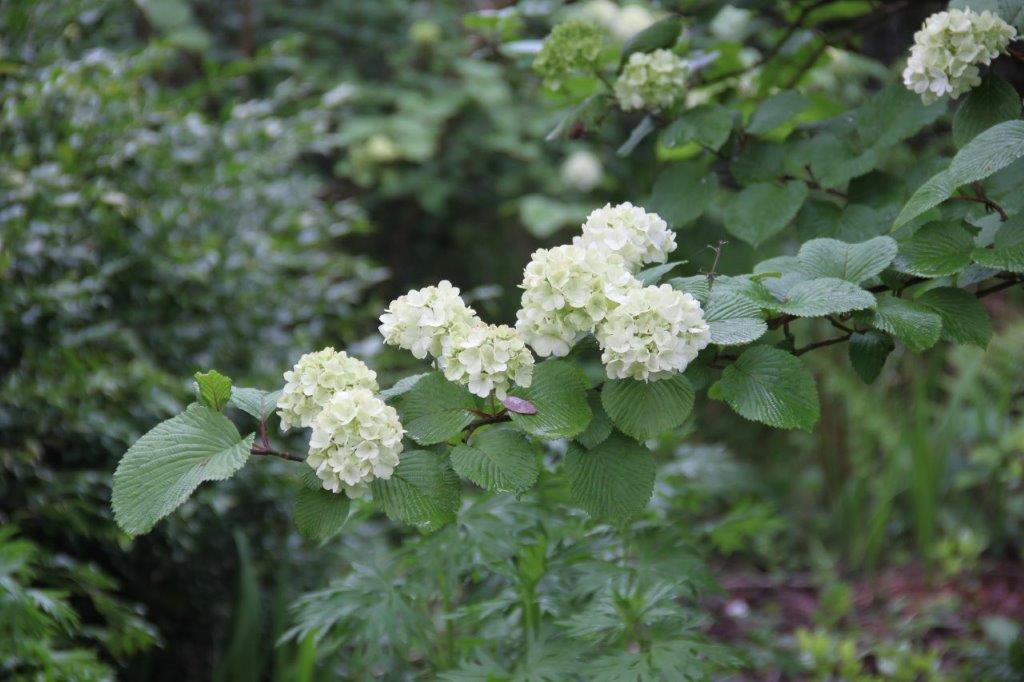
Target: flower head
column 948, row 48
column 631, row 232
column 316, row 377
column 653, row 333
column 487, row 358
column 567, row 290
column 421, row 319
column 651, row 80
column 573, row 47
column 356, row 439
column 582, row 171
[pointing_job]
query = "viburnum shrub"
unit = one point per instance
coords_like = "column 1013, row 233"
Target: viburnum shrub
column 610, row 350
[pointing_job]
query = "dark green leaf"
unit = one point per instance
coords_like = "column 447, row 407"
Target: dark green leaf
column 910, row 322
column 320, row 514
column 436, row 410
column 497, row 458
column 992, row 150
column 422, row 490
column 770, row 386
column 709, row 125
column 660, row 34
column 682, row 192
column 775, row 111
column 612, row 481
column 852, row 262
column 935, row 250
column 868, row 352
column 992, row 102
column 964, row 319
column 559, row 391
column 760, row 211
column 645, row 410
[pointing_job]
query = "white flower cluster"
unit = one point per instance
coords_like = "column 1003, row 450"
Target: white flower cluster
column 567, row 290
column 948, row 48
column 655, row 332
column 651, row 80
column 314, row 379
column 631, row 232
column 423, row 318
column 645, row 333
column 436, row 321
column 623, row 22
column 356, row 439
column 582, row 171
column 487, row 358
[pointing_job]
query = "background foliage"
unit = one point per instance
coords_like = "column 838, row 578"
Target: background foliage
column 198, row 184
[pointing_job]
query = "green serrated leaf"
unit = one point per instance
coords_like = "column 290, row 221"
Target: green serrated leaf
column 165, row 466
column 436, row 410
column 695, row 285
column 770, row 386
column 613, row 481
column 852, row 262
column 1007, row 252
column 775, row 111
column 497, row 458
column 933, row 192
column 737, row 331
column 213, row 389
column 653, row 274
column 682, row 192
column 709, row 125
column 423, row 491
column 936, row 250
column 645, row 410
column 868, row 352
column 600, row 426
column 916, row 326
column 992, row 150
column 559, row 392
column 989, row 104
column 964, row 318
column 254, row 402
column 401, row 387
column 320, row 514
column 760, row 211
column 822, row 297
column 893, row 114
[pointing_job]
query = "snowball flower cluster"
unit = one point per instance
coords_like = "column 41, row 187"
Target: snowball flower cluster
column 948, row 48
column 623, row 22
column 573, row 47
column 653, row 333
column 567, row 290
column 651, row 80
column 631, row 232
column 420, row 320
column 487, row 358
column 314, row 380
column 356, row 439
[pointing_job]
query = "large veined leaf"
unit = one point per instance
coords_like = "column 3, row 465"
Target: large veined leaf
column 933, row 192
column 823, row 296
column 319, row 514
column 653, row 274
column 259, row 404
column 422, row 490
column 165, row 466
column 964, row 319
column 436, row 410
column 1007, row 252
column 497, row 458
column 893, row 114
column 992, row 150
column 852, row 262
column 559, row 391
column 695, row 285
column 936, row 250
column 644, row 410
column 771, row 386
column 732, row 317
column 682, row 192
column 912, row 323
column 401, row 387
column 600, row 426
column 613, row 481
column 868, row 352
column 989, row 104
column 709, row 125
column 834, row 161
column 776, row 110
column 762, row 210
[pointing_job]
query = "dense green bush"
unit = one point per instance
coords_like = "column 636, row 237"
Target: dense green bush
column 190, row 200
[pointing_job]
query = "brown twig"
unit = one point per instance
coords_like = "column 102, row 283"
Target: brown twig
column 266, row 450
column 822, row 344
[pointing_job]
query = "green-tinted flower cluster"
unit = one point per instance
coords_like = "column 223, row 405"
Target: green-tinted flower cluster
column 572, row 48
